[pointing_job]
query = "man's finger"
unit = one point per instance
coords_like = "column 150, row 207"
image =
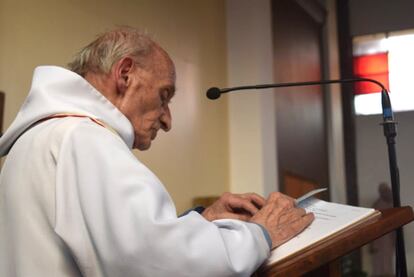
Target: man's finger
column 257, row 200
column 299, row 225
column 281, row 200
column 266, row 210
column 291, row 215
column 276, row 214
column 242, row 203
column 294, row 228
column 274, row 196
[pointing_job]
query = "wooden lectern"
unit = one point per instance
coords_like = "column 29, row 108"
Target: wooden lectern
column 322, row 258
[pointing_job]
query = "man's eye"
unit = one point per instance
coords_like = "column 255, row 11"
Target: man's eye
column 165, row 99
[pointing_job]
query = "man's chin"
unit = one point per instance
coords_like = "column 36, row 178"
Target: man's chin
column 142, row 146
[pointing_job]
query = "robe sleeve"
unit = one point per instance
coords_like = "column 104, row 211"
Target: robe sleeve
column 116, row 218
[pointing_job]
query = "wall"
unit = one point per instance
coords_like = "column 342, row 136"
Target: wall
column 377, row 16
column 192, row 159
column 252, row 116
column 373, row 168
column 333, row 107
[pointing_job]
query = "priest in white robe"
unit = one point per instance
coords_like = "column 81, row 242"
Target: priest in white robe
column 75, row 201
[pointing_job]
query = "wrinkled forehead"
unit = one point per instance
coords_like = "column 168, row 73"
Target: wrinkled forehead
column 162, row 65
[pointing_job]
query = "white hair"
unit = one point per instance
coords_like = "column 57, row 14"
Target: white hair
column 101, row 54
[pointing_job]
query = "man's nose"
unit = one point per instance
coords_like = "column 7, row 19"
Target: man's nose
column 165, row 119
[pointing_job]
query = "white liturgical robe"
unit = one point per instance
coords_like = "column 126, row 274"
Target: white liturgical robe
column 75, row 201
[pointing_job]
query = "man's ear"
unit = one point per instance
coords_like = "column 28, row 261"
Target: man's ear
column 123, row 70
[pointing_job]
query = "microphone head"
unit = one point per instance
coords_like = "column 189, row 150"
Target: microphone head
column 213, row 93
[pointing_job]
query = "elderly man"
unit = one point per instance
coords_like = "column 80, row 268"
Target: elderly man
column 76, row 202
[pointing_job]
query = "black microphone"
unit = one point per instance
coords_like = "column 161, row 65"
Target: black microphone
column 213, row 93
column 390, row 133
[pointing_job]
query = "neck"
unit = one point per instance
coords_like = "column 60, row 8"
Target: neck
column 102, row 83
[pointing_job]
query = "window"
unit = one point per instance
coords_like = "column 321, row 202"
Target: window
column 388, row 59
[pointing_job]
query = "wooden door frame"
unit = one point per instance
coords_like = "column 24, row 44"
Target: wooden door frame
column 318, row 14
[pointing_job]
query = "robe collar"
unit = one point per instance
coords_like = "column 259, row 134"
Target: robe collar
column 56, row 90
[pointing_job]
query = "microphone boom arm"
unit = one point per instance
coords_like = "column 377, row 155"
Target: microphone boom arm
column 299, row 84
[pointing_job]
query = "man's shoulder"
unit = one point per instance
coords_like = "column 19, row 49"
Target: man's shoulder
column 75, row 128
column 87, row 127
column 83, row 136
column 85, row 139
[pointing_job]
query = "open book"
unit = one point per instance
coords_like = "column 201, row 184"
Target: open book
column 330, row 219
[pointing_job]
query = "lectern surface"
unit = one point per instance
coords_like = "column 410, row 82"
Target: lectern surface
column 331, row 249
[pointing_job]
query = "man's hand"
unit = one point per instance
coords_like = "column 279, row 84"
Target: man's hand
column 281, row 218
column 234, row 206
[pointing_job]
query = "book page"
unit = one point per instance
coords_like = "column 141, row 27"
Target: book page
column 330, row 218
column 309, row 194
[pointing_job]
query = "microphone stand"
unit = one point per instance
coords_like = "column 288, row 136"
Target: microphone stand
column 390, row 132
